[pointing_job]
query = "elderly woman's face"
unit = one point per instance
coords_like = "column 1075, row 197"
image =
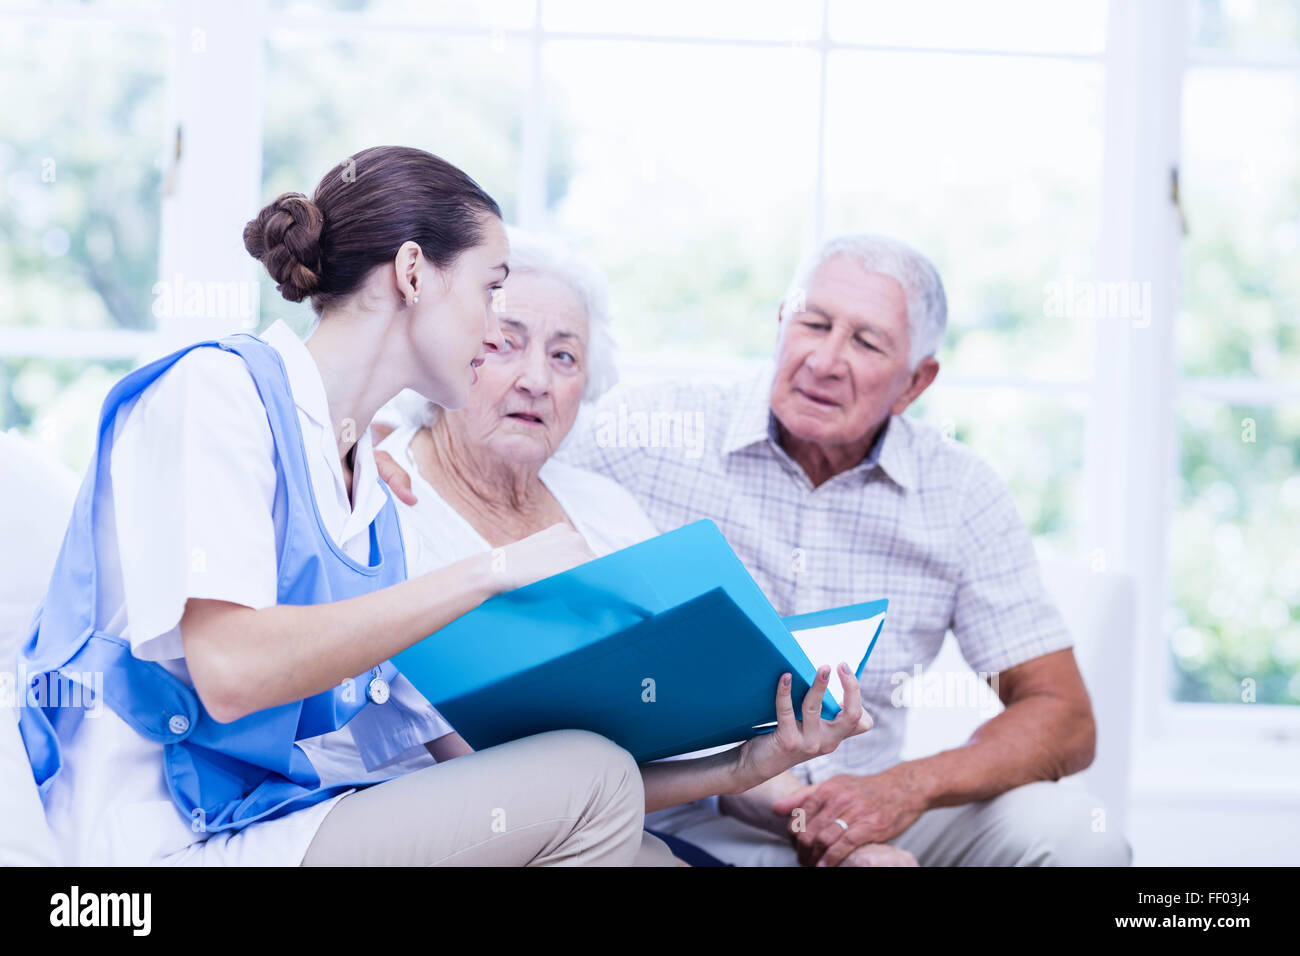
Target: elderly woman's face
column 528, row 392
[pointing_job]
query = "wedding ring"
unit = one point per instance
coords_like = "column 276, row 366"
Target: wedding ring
column 842, row 824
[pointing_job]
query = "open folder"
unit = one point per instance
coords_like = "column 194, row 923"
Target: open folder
column 665, row 647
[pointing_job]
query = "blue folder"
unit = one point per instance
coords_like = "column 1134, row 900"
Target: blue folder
column 665, row 647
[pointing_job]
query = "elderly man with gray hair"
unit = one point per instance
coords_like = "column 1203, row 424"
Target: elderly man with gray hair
column 830, row 497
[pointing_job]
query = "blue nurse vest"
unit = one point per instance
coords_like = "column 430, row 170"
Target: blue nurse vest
column 221, row 776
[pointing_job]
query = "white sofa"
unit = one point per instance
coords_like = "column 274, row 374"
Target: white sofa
column 1099, row 610
column 36, row 496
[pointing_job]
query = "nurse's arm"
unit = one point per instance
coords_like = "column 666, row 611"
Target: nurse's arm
column 243, row 660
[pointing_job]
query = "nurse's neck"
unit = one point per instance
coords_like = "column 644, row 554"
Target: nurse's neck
column 353, row 353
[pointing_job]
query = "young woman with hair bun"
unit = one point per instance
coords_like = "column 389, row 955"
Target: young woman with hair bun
column 232, row 584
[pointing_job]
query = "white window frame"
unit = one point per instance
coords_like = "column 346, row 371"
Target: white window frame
column 1138, row 389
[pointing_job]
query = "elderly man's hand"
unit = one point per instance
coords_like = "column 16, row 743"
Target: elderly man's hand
column 879, row 854
column 875, row 808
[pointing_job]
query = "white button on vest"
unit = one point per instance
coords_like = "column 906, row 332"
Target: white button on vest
column 178, row 724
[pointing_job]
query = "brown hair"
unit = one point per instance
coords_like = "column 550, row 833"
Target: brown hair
column 359, row 217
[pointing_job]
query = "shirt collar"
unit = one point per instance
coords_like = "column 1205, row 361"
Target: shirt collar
column 753, row 422
column 890, row 453
column 304, row 375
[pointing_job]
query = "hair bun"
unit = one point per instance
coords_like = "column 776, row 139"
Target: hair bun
column 285, row 237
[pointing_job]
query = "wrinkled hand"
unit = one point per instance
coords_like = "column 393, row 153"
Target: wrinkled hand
column 794, row 741
column 879, row 854
column 393, row 474
column 877, row 808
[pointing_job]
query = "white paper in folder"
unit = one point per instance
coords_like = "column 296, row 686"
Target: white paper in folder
column 847, row 641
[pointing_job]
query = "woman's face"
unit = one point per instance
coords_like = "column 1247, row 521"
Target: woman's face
column 529, row 390
column 453, row 326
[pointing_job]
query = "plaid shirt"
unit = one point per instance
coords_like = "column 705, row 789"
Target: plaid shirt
column 922, row 520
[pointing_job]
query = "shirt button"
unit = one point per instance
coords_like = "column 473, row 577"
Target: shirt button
column 178, row 724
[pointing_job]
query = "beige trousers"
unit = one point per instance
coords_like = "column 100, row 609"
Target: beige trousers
column 565, row 798
column 1039, row 824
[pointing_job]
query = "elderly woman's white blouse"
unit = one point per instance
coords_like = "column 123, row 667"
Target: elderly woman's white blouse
column 436, row 535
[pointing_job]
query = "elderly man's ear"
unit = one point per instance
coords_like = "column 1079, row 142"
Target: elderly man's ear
column 922, row 376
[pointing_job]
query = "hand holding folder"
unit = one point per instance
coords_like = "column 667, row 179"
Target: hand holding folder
column 665, row 647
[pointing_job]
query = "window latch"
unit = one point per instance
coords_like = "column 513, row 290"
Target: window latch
column 1176, row 199
column 173, row 167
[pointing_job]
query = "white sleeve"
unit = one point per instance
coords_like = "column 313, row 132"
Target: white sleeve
column 193, row 486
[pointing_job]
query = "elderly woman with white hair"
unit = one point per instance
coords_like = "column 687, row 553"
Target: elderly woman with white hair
column 483, row 476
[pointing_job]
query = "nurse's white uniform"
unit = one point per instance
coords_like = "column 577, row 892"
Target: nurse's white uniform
column 188, row 514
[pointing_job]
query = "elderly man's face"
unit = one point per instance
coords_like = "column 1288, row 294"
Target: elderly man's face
column 528, row 391
column 842, row 363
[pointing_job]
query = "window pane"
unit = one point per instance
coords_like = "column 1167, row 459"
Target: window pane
column 499, row 14
column 128, row 8
column 687, row 174
column 1241, row 170
column 1078, row 26
column 56, row 402
column 1252, row 27
column 1236, row 568
column 458, row 98
column 80, row 174
column 991, row 166
column 781, row 20
column 1033, row 440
